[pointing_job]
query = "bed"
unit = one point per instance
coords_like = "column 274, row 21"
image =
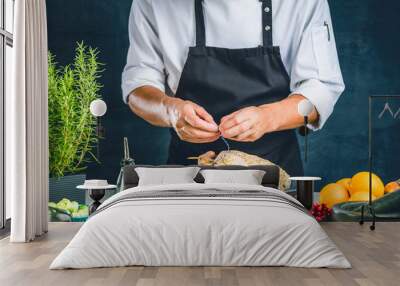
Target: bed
column 201, row 224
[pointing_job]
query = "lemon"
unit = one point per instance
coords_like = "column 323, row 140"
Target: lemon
column 360, row 183
column 345, row 182
column 361, row 197
column 392, row 187
column 333, row 194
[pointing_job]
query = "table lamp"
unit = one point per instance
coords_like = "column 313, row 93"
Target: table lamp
column 305, row 186
column 98, row 108
column 305, row 108
column 97, row 189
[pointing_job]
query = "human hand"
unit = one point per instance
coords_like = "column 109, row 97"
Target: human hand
column 192, row 122
column 251, row 123
column 248, row 124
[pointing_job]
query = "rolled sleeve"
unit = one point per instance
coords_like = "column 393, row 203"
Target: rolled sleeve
column 316, row 71
column 144, row 64
column 323, row 98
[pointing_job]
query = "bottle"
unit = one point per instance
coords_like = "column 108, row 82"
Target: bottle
column 126, row 161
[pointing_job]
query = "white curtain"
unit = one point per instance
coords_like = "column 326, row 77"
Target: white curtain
column 27, row 128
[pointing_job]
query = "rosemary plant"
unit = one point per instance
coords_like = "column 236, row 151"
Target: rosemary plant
column 72, row 128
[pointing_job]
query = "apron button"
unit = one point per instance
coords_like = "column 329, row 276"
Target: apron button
column 267, row 9
column 267, row 28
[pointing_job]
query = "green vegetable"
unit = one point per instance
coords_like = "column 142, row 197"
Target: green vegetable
column 52, row 204
column 386, row 208
column 73, row 207
column 67, row 211
column 64, row 204
column 63, row 217
column 82, row 212
column 67, row 205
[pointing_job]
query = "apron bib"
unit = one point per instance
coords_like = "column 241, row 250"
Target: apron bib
column 225, row 80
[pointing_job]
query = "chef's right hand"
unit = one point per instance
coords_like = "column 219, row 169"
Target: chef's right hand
column 192, row 122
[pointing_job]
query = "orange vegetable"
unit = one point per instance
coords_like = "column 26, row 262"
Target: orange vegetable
column 392, row 187
column 360, row 183
column 333, row 194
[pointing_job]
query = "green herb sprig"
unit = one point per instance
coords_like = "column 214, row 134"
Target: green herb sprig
column 72, row 128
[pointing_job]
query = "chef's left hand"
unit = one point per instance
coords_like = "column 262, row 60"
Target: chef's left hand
column 248, row 124
column 251, row 123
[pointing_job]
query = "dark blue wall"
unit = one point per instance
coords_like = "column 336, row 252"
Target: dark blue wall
column 367, row 33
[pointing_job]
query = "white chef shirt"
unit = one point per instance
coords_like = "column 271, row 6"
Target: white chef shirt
column 161, row 32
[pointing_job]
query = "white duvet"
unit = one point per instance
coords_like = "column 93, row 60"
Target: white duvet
column 206, row 231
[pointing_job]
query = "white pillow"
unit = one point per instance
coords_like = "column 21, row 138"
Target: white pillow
column 247, row 177
column 166, row 176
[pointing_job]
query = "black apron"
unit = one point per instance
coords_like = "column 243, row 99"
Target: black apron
column 225, row 80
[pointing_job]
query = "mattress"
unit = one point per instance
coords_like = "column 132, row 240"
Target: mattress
column 201, row 225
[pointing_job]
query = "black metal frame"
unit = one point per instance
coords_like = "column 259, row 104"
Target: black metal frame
column 369, row 207
column 6, row 39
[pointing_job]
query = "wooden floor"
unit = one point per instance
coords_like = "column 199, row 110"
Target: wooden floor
column 375, row 257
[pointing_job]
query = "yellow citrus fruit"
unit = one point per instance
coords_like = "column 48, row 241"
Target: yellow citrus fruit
column 333, row 194
column 392, row 187
column 345, row 182
column 361, row 197
column 360, row 183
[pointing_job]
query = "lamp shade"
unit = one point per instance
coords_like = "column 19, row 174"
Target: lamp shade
column 98, row 108
column 305, row 107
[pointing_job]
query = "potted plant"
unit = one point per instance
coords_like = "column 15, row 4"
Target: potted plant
column 72, row 128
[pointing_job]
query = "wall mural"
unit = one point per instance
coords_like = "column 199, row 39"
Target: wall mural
column 347, row 196
column 338, row 154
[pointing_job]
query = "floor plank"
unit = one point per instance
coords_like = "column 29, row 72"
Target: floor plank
column 375, row 257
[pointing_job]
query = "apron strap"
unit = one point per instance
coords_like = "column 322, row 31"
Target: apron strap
column 266, row 23
column 200, row 27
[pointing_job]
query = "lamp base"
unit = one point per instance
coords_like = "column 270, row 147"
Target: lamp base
column 305, row 192
column 96, row 196
column 305, row 187
column 371, row 210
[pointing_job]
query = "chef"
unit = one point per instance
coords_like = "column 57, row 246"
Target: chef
column 235, row 69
